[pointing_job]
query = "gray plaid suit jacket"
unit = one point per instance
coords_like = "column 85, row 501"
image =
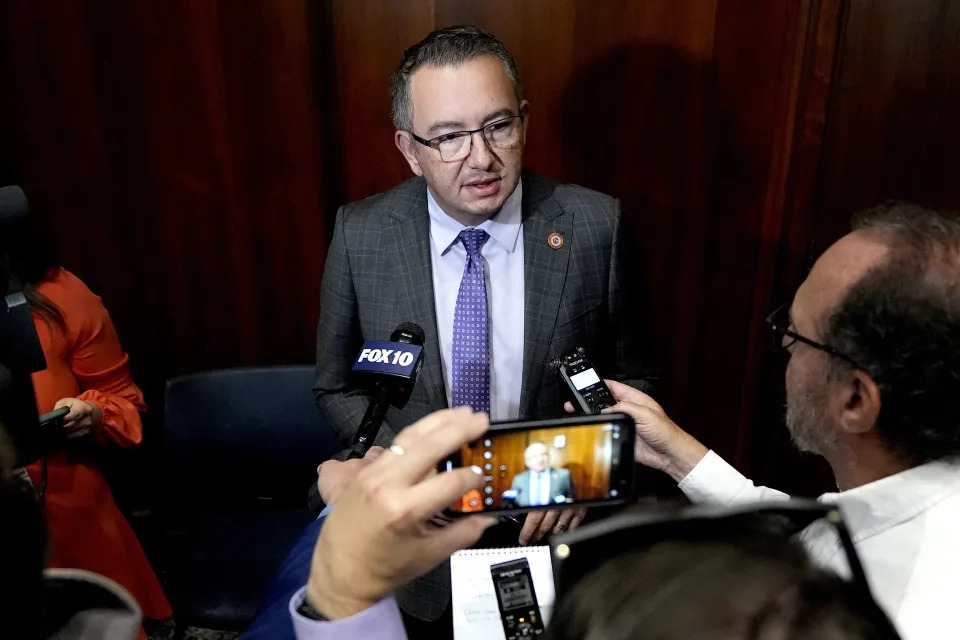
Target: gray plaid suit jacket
column 378, row 274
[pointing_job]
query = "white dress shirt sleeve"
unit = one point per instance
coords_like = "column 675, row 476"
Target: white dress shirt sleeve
column 716, row 482
column 382, row 621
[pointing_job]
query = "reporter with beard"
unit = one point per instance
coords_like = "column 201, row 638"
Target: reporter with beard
column 872, row 387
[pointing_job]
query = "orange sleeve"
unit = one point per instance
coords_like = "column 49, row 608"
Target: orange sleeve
column 101, row 368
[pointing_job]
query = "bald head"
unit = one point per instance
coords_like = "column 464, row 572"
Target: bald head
column 832, row 276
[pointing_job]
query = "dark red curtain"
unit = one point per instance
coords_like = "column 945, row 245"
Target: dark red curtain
column 173, row 152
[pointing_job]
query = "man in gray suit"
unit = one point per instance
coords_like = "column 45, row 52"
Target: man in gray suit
column 541, row 484
column 503, row 269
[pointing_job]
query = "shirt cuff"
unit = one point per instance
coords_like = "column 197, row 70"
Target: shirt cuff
column 713, row 480
column 382, row 621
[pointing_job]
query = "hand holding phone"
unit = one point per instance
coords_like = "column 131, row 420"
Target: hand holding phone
column 549, row 464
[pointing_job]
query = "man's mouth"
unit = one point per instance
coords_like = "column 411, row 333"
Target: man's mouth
column 484, row 187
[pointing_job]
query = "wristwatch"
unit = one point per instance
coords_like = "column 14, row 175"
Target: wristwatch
column 307, row 611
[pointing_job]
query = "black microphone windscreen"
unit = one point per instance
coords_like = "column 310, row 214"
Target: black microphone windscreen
column 410, row 330
column 13, row 204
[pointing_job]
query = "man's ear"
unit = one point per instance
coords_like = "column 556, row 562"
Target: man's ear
column 525, row 110
column 861, row 403
column 405, row 144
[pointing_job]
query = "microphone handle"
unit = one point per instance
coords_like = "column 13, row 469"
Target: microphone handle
column 371, row 422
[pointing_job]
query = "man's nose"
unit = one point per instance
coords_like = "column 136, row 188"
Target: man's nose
column 481, row 157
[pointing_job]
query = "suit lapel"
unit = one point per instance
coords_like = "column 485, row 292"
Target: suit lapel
column 544, row 271
column 413, row 279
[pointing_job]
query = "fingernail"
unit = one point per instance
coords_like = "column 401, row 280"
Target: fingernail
column 477, row 470
column 523, row 542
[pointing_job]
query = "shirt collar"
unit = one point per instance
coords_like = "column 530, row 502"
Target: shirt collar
column 884, row 503
column 504, row 227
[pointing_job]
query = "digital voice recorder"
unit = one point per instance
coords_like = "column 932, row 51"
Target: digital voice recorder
column 590, row 393
column 517, row 600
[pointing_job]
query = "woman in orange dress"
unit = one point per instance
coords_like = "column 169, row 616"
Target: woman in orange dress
column 87, row 372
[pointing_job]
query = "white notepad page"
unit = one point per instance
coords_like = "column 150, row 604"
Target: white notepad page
column 476, row 615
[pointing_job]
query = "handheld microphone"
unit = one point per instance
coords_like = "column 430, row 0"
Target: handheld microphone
column 390, row 369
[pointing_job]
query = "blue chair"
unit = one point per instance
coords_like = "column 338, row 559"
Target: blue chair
column 241, row 447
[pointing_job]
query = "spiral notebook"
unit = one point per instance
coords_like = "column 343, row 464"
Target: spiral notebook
column 475, row 611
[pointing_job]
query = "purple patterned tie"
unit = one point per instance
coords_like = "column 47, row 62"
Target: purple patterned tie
column 471, row 341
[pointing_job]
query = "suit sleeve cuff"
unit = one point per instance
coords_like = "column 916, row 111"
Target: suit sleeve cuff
column 382, row 621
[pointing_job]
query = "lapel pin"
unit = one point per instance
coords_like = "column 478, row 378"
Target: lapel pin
column 555, row 240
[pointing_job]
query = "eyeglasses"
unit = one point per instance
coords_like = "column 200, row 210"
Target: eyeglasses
column 574, row 554
column 456, row 145
column 785, row 338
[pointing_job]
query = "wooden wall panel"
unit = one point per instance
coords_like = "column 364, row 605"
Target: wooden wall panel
column 368, row 41
column 893, row 130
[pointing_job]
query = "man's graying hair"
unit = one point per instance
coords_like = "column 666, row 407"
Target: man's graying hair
column 448, row 47
column 901, row 323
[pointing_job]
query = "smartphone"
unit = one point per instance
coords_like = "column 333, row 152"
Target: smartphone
column 549, row 464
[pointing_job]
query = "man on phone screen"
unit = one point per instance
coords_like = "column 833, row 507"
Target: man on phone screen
column 541, row 484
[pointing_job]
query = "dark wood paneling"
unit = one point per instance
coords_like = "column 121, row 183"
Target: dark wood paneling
column 369, row 38
column 893, row 129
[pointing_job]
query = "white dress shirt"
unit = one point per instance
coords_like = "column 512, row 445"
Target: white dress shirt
column 503, row 262
column 905, row 528
column 540, row 488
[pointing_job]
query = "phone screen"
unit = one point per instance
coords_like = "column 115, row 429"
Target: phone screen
column 548, row 465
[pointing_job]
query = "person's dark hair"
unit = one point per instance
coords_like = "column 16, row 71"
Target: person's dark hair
column 447, row 47
column 26, row 261
column 714, row 590
column 901, row 324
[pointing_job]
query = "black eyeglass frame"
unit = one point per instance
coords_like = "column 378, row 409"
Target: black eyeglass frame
column 431, row 141
column 574, row 553
column 774, row 322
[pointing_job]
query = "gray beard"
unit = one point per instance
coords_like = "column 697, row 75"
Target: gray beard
column 808, row 422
